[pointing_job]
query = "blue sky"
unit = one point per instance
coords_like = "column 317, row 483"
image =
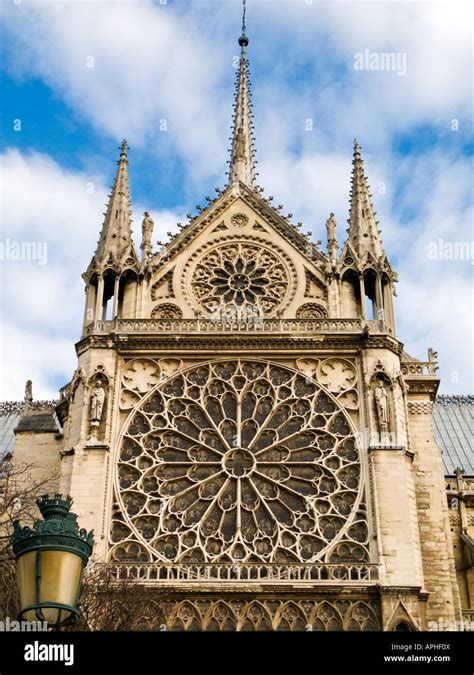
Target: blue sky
column 175, row 62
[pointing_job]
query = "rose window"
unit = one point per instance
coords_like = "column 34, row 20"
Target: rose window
column 242, row 275
column 239, row 461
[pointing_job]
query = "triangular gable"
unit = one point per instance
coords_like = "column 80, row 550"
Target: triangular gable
column 266, row 217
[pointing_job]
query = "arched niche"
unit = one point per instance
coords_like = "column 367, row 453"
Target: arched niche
column 351, row 296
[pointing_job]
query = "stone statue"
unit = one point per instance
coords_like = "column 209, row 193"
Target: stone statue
column 28, row 391
column 28, row 395
column 381, row 403
column 239, row 152
column 97, row 403
column 331, row 227
column 333, row 244
column 147, row 231
column 432, row 361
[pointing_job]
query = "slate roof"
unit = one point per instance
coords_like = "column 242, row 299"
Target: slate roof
column 40, row 420
column 453, row 429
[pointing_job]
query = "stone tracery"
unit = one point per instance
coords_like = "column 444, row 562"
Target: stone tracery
column 313, row 614
column 245, row 273
column 239, row 461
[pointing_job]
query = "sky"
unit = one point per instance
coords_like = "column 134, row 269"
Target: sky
column 77, row 77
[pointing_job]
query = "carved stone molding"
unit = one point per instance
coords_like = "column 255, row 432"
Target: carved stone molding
column 311, row 310
column 239, row 220
column 420, row 407
column 262, row 614
column 166, row 310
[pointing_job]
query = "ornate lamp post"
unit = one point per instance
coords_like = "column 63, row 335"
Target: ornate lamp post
column 50, row 560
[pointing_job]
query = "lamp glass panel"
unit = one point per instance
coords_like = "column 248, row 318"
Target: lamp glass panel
column 26, row 574
column 60, row 577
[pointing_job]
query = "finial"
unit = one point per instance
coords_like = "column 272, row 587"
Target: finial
column 124, row 147
column 243, row 39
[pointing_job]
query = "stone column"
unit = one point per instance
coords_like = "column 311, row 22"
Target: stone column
column 99, row 298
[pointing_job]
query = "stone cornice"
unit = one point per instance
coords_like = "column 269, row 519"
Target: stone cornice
column 401, row 590
column 240, row 342
column 423, row 385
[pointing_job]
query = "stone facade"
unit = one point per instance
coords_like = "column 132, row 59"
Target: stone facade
column 244, row 432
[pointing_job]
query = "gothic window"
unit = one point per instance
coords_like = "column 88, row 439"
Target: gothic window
column 245, row 274
column 239, row 461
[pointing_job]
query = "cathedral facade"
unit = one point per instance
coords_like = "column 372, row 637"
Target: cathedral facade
column 244, row 432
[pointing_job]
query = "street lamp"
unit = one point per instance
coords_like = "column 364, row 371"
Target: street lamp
column 50, row 559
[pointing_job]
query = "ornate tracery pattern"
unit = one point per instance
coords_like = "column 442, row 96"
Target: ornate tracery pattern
column 245, row 274
column 263, row 615
column 239, row 461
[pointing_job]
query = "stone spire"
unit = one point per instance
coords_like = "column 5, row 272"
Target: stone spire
column 116, row 235
column 242, row 151
column 364, row 235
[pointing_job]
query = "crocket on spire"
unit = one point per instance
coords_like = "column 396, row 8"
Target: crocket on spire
column 364, row 235
column 242, row 150
column 116, row 234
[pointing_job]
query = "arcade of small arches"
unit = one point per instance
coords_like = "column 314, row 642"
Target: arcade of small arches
column 263, row 615
column 111, row 295
column 367, row 294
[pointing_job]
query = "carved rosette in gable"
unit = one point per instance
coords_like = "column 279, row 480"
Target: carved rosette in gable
column 311, row 310
column 369, row 261
column 111, row 263
column 239, row 220
column 244, row 271
column 349, row 260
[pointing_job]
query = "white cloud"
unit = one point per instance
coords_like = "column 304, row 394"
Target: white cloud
column 428, row 198
column 125, row 67
column 173, row 62
column 32, row 354
column 42, row 304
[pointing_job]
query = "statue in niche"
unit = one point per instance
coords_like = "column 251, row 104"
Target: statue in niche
column 239, row 144
column 381, row 404
column 97, row 403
